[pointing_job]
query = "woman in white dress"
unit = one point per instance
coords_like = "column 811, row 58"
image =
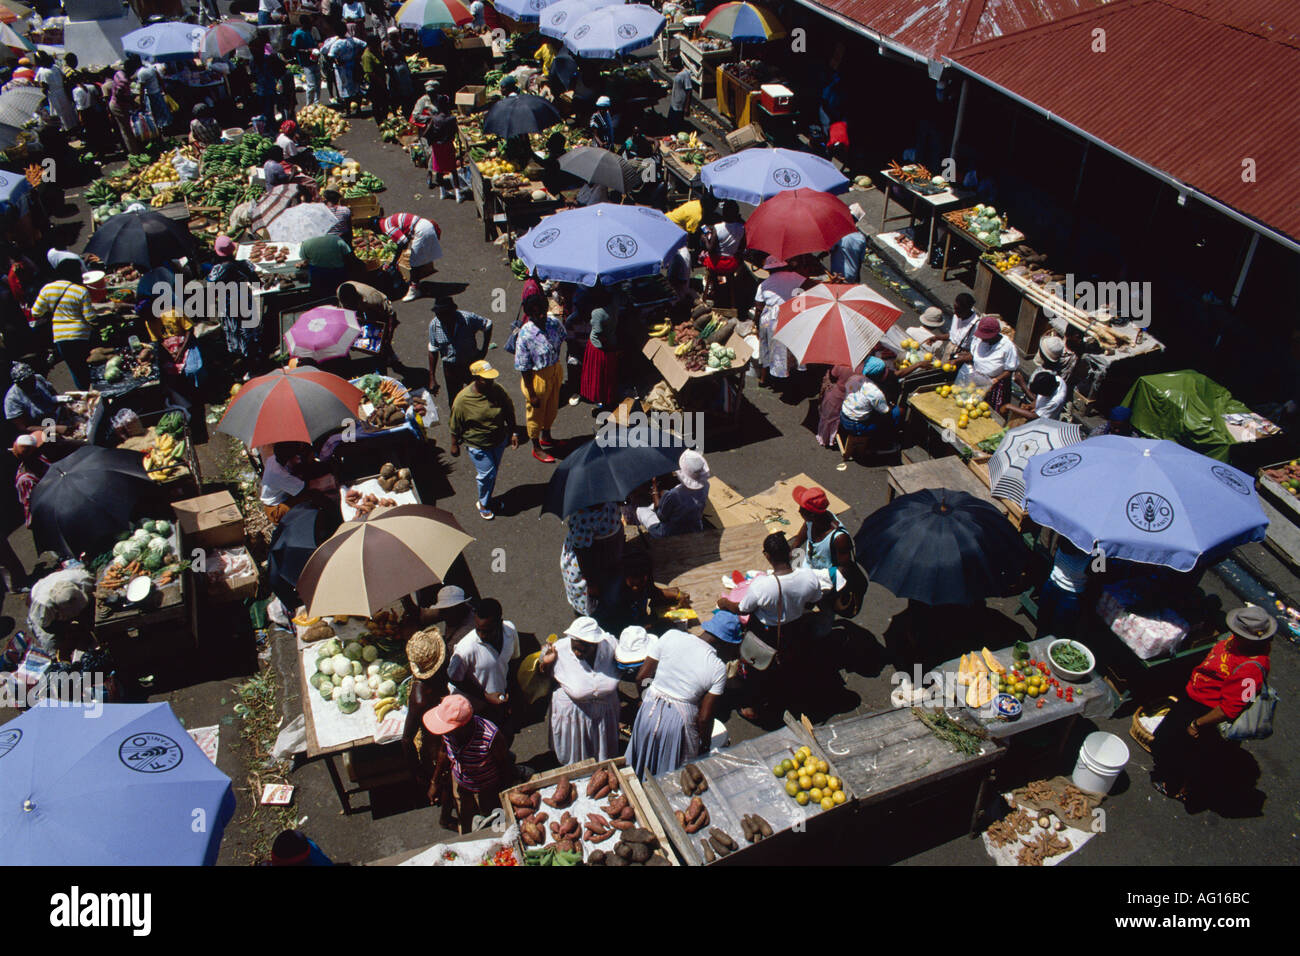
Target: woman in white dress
column 584, row 705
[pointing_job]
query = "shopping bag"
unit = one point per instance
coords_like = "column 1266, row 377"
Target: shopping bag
column 1256, row 721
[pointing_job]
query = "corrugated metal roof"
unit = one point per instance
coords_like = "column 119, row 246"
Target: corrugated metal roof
column 1191, row 88
column 931, row 28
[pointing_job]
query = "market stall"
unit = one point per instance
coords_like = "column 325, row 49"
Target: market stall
column 684, row 155
column 1279, row 494
column 953, row 415
column 740, row 91
column 915, row 186
column 702, row 362
column 164, row 441
column 980, row 227
column 703, row 55
column 727, row 805
column 120, row 371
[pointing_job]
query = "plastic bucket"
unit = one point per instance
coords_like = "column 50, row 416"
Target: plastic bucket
column 232, row 135
column 97, row 283
column 1101, row 758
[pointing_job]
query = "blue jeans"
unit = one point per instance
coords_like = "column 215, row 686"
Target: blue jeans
column 486, row 462
column 311, row 79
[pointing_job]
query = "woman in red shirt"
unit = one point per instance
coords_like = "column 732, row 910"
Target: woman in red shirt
column 1221, row 687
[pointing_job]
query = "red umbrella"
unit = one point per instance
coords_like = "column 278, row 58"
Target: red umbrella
column 798, row 222
column 834, row 324
column 291, row 404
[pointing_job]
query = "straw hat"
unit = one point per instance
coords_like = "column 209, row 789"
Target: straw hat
column 450, row 596
column 426, row 652
column 932, row 318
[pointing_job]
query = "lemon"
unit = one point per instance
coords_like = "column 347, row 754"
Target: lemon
column 777, row 772
column 805, row 783
column 815, row 794
column 801, row 798
column 838, row 796
column 787, row 765
column 984, row 406
column 791, row 787
column 793, row 775
column 833, row 783
column 828, row 803
column 819, row 779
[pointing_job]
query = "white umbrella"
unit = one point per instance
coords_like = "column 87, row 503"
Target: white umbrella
column 1018, row 445
column 301, row 222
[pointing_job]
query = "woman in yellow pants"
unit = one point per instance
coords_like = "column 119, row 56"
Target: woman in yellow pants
column 537, row 360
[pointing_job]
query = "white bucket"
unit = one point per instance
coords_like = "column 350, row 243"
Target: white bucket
column 720, row 737
column 1101, row 758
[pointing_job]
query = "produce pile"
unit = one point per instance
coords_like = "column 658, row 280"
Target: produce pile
column 111, row 194
column 116, row 368
column 268, row 253
column 702, row 350
column 914, row 174
column 710, row 44
column 1288, row 476
column 146, row 549
column 394, row 128
column 347, row 674
column 389, row 398
column 366, row 184
column 371, row 247
column 914, row 353
column 573, row 136
column 165, row 459
column 807, row 780
column 122, row 275
column 968, row 401
column 232, row 159
column 687, row 148
column 416, row 64
column 982, row 222
column 323, row 122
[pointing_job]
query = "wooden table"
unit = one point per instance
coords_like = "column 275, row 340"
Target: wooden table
column 981, row 247
column 890, row 753
column 936, row 201
column 702, row 63
column 948, row 472
column 697, row 561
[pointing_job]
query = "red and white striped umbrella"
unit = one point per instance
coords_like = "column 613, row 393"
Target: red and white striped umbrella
column 290, row 404
column 834, row 324
column 226, row 36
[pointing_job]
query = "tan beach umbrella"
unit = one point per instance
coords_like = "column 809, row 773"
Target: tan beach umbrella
column 368, row 565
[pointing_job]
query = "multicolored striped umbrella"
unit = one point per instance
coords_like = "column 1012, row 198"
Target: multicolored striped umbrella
column 291, row 404
column 432, row 14
column 323, row 333
column 742, row 23
column 834, row 324
column 227, row 36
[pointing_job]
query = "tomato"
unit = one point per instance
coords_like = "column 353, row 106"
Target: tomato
column 1059, row 692
column 1040, row 703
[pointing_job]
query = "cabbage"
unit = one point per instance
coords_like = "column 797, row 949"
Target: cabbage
column 152, row 561
column 348, row 685
column 325, row 665
column 120, row 548
column 118, row 561
column 353, row 650
column 158, row 543
column 372, row 670
column 147, row 525
column 386, row 688
column 393, row 671
column 330, row 648
column 141, row 535
column 336, row 692
column 132, row 550
column 342, row 665
column 163, row 528
column 326, row 690
column 363, row 691
column 370, row 653
column 348, row 703
column 317, row 679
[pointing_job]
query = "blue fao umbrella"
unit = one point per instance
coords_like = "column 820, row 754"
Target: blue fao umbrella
column 559, row 17
column 758, row 174
column 525, row 11
column 602, row 243
column 941, row 547
column 127, row 788
column 611, row 466
column 167, row 40
column 1142, row 499
column 610, row 32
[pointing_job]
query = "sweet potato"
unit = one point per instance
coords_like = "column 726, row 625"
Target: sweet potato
column 600, row 836
column 602, row 793
column 572, row 845
column 681, row 819
column 763, row 825
column 621, row 824
column 523, row 813
column 537, row 799
column 709, row 855
column 615, row 806
column 597, row 821
column 628, row 813
column 687, row 782
column 698, row 824
column 747, row 829
column 563, row 796
column 518, row 799
column 597, row 781
column 694, row 809
column 540, row 818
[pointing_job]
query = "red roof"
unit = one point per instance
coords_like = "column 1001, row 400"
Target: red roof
column 931, row 28
column 1189, row 87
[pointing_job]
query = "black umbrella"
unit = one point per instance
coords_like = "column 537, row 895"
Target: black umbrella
column 519, row 115
column 941, row 547
column 600, row 167
column 300, row 532
column 142, row 239
column 86, row 499
column 563, row 69
column 610, row 467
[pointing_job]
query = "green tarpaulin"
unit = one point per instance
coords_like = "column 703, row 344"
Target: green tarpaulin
column 1185, row 407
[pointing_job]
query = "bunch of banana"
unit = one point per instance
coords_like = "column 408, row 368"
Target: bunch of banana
column 683, row 349
column 166, row 197
column 384, row 705
column 661, row 330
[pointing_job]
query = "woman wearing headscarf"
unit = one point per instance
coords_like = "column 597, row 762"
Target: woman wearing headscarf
column 441, row 134
column 241, row 337
column 600, row 361
column 122, row 103
column 584, row 704
column 687, row 676
column 866, row 415
column 537, row 360
column 204, row 128
column 837, row 384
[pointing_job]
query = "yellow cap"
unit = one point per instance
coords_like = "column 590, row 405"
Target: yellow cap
column 483, row 369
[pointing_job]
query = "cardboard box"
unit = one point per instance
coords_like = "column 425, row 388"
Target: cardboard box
column 473, row 43
column 209, row 521
column 749, row 135
column 660, row 354
column 231, row 587
column 471, row 97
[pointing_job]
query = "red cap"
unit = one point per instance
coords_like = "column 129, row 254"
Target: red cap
column 989, row 328
column 811, row 499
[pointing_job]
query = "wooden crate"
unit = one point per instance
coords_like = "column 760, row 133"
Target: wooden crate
column 578, row 774
column 363, row 207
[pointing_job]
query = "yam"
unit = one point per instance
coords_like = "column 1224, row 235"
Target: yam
column 628, row 813
column 401, row 484
column 687, row 782
column 623, row 850
column 597, row 858
column 639, row 835
column 723, row 836
column 694, row 809
column 404, row 473
column 597, row 821
column 763, row 826
column 640, row 852
column 613, row 859
column 388, row 470
column 747, row 829
column 681, row 819
column 719, row 847
column 721, row 333
column 602, row 793
column 596, row 782
column 522, row 813
column 657, row 860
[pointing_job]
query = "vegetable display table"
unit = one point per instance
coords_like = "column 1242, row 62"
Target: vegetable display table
column 937, row 201
column 963, row 235
column 145, row 638
column 891, row 753
column 696, row 562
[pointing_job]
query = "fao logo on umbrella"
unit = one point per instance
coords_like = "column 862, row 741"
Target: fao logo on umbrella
column 621, row 247
column 627, row 31
column 545, row 238
column 582, row 31
column 146, row 42
column 727, row 163
column 786, row 177
column 150, row 753
column 536, row 4
column 1228, row 477
column 8, row 740
column 558, row 18
column 1060, row 465
column 1148, row 511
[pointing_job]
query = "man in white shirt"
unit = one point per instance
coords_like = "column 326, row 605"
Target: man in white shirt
column 1048, row 390
column 961, row 331
column 479, row 666
column 279, row 483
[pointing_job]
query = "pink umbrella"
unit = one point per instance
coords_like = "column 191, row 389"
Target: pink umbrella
column 226, row 36
column 834, row 324
column 323, row 333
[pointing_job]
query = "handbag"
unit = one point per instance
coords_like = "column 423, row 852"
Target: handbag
column 847, row 601
column 143, row 127
column 755, row 651
column 1256, row 721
